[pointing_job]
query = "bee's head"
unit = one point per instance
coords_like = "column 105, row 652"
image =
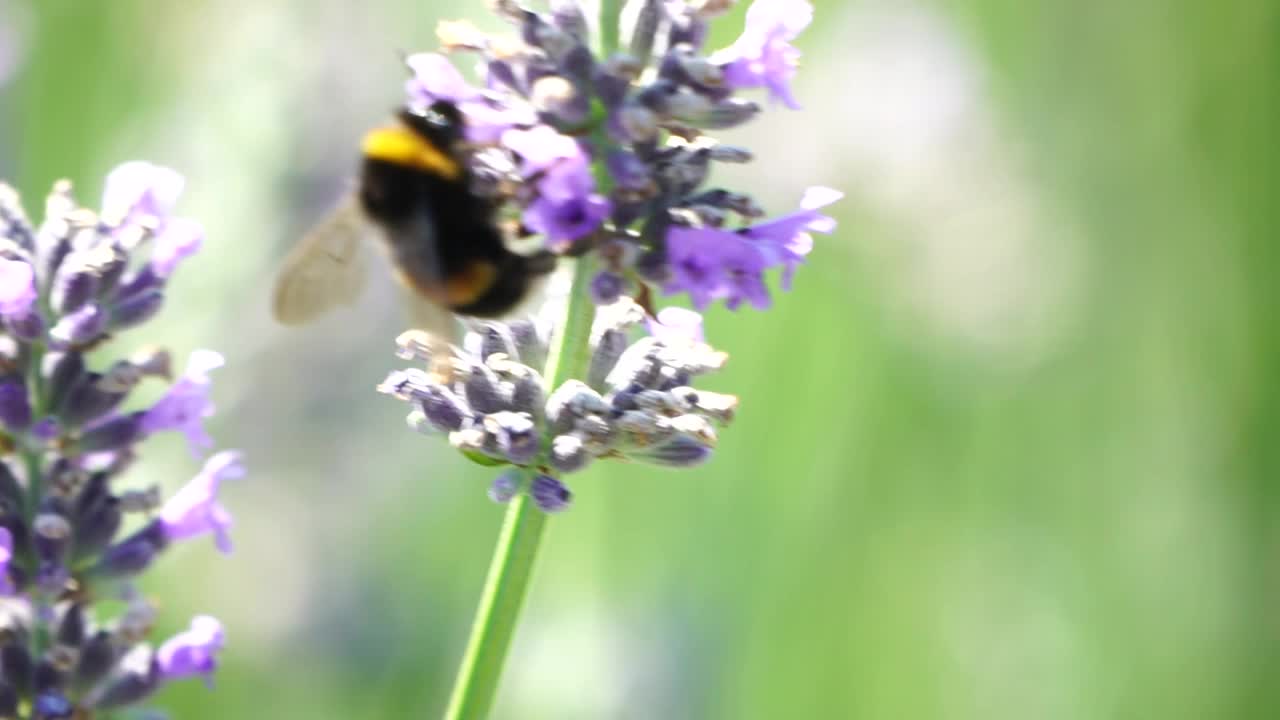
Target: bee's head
column 441, row 122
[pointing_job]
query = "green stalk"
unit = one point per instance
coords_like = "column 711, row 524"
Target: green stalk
column 512, row 563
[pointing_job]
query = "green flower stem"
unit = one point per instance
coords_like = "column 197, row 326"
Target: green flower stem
column 512, row 563
column 610, row 17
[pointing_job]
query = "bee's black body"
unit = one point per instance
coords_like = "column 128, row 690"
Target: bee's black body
column 444, row 239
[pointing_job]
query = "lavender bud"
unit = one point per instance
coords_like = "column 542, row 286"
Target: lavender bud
column 505, row 486
column 559, row 103
column 637, row 122
column 604, row 356
column 62, row 371
column 612, row 79
column 136, row 308
column 727, row 113
column 639, row 364
column 720, row 406
column 27, row 327
column 47, row 677
column 73, row 286
column 15, row 405
column 89, row 401
column 13, row 219
column 731, row 154
column 688, row 29
column 530, row 349
column 680, row 451
column 72, row 629
column 113, row 434
column 483, row 390
column 527, row 395
column 53, row 239
column 516, row 434
column 11, row 493
column 138, row 679
column 497, row 338
column 97, row 657
column 52, row 706
column 571, row 401
column 567, row 15
column 653, row 267
column 132, row 555
column 52, row 537
column 16, row 664
column 569, row 454
column 700, row 70
column 579, row 66
column 597, row 434
column 79, row 328
column 549, row 494
column 607, row 287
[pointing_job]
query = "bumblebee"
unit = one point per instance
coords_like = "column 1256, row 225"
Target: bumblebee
column 443, row 240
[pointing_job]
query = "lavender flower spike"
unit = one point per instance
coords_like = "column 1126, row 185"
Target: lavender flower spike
column 71, row 436
column 763, row 55
column 195, row 510
column 193, row 652
column 186, row 404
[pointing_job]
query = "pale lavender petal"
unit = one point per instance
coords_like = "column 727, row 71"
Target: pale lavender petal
column 193, row 652
column 141, row 191
column 194, row 510
column 17, row 287
column 540, row 148
column 180, row 239
column 677, row 323
column 187, row 403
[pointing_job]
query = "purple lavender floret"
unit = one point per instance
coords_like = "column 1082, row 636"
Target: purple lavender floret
column 763, row 55
column 186, row 404
column 70, row 435
column 195, row 509
column 193, row 652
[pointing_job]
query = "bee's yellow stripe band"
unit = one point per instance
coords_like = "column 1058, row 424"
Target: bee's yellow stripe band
column 402, row 146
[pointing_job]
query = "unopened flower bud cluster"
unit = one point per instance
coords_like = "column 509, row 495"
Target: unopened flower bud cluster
column 637, row 402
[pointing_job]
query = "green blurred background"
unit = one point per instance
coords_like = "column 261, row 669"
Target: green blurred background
column 1007, row 451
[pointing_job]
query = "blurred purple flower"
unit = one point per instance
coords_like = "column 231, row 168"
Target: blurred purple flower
column 763, row 55
column 141, row 192
column 435, row 78
column 194, row 510
column 567, row 206
column 180, row 239
column 186, row 404
column 17, row 287
column 540, row 148
column 193, row 652
column 718, row 264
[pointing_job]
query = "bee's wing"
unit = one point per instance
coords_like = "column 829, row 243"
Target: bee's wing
column 327, row 268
